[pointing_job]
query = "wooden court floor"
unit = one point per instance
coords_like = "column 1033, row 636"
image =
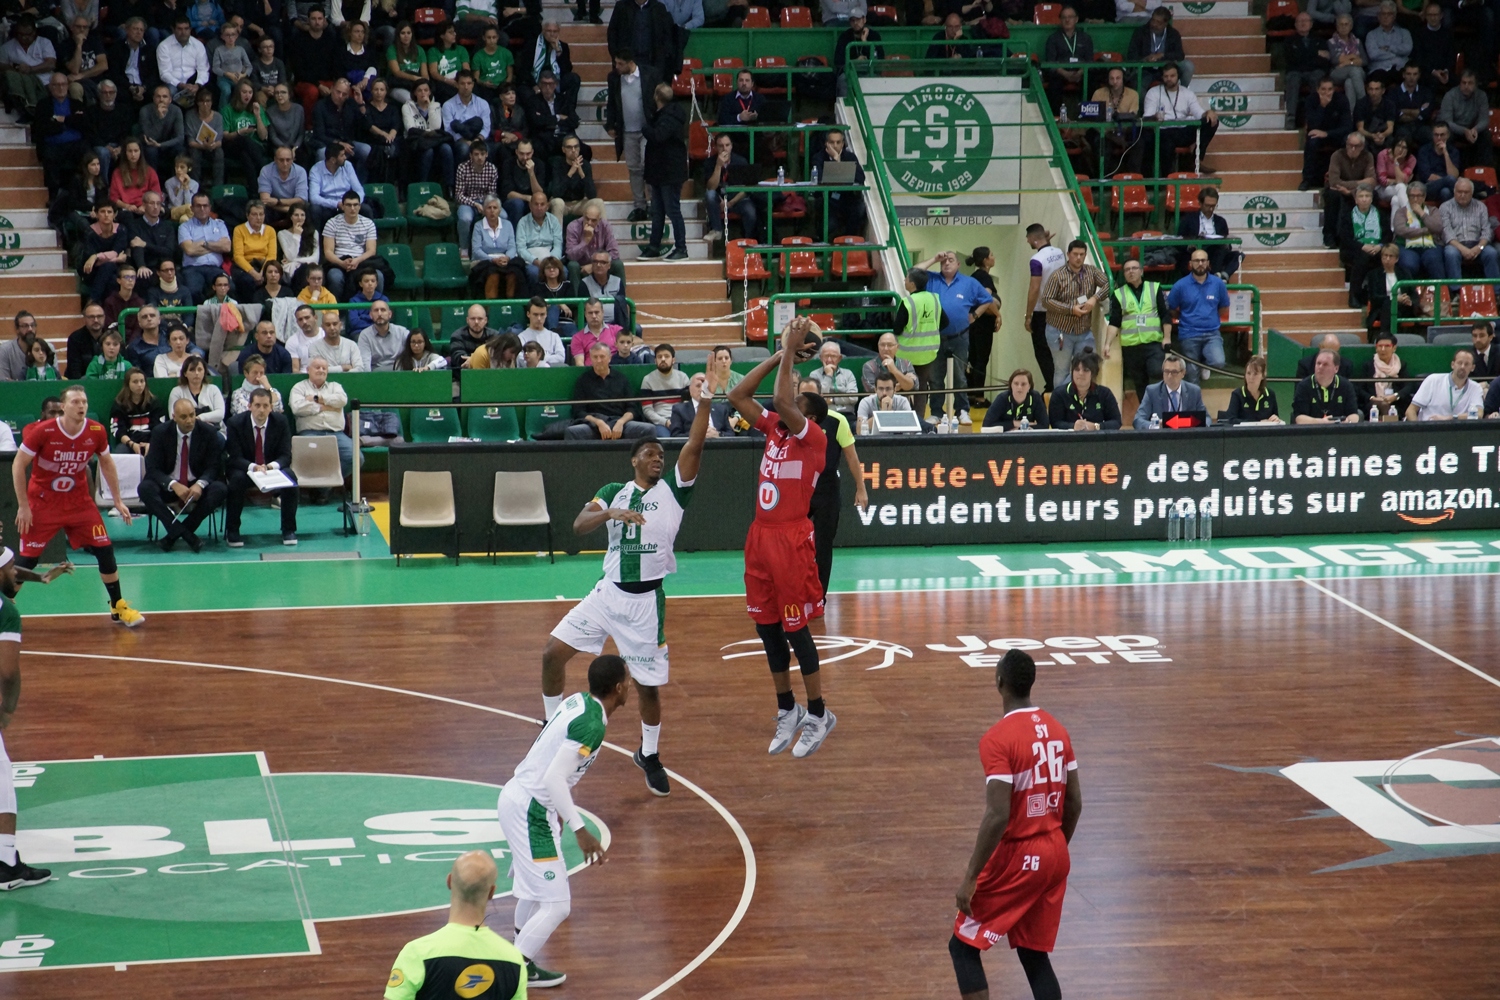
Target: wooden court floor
column 1189, row 879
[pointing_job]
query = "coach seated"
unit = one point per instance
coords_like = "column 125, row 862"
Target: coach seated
column 683, row 413
column 1169, row 396
column 260, row 440
column 183, row 471
column 595, row 419
column 1325, row 396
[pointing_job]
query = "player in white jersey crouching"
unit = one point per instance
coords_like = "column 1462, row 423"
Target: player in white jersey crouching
column 536, row 801
column 628, row 604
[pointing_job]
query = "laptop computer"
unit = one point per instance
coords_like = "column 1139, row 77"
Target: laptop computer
column 838, row 172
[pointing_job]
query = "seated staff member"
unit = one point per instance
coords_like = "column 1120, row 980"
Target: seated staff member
column 1017, row 402
column 1394, row 392
column 1169, row 396
column 1083, row 404
column 1253, row 402
column 1324, row 397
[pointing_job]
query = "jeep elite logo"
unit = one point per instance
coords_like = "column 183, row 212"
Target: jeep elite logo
column 1225, row 97
column 1266, row 220
column 938, row 140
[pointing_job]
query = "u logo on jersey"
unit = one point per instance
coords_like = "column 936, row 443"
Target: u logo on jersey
column 768, row 497
column 62, row 484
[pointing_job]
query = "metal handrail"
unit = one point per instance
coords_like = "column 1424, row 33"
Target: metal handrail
column 1406, row 283
column 126, row 314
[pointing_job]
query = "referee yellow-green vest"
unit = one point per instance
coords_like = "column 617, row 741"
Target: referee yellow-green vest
column 1139, row 322
column 924, row 318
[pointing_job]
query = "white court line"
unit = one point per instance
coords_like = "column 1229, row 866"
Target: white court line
column 1389, row 788
column 739, row 832
column 1401, row 631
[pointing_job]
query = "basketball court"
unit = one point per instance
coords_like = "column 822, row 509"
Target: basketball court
column 1273, row 799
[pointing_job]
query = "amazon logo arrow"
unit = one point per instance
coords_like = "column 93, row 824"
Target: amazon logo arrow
column 1446, row 515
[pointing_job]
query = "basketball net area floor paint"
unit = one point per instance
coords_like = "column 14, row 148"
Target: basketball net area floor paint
column 1271, row 804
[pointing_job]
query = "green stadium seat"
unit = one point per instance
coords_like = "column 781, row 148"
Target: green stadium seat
column 442, row 270
column 435, row 424
column 451, row 320
column 404, row 265
column 508, row 314
column 391, row 221
column 227, row 191
column 413, row 318
column 539, row 417
column 418, row 195
column 494, row 423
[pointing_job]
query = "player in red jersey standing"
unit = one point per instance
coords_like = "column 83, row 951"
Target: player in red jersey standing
column 782, row 589
column 57, row 497
column 1019, row 870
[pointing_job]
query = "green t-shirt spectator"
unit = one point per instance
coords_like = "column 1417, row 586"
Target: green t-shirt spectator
column 236, row 120
column 492, row 69
column 99, row 368
column 412, row 64
column 447, row 62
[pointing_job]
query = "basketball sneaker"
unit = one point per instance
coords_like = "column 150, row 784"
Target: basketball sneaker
column 123, row 613
column 538, row 978
column 787, row 724
column 20, row 875
column 656, row 775
column 814, row 733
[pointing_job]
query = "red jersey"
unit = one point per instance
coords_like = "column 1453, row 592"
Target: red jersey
column 1029, row 750
column 789, row 470
column 59, row 472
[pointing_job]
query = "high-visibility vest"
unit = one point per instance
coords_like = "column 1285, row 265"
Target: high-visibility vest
column 918, row 345
column 1139, row 321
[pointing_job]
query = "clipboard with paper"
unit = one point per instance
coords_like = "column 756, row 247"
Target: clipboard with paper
column 270, row 479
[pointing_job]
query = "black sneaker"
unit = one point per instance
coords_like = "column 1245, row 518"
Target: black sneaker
column 656, row 775
column 649, row 253
column 233, row 540
column 637, row 215
column 20, row 875
column 538, row 978
column 677, row 255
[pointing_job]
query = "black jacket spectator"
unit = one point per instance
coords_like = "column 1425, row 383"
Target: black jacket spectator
column 314, row 60
column 731, row 107
column 841, row 48
column 525, row 68
column 666, row 145
column 549, row 124
column 160, row 240
column 512, row 119
column 1338, row 401
column 1351, row 250
column 1300, row 53
column 1374, row 117
column 1487, row 366
column 45, row 126
column 135, row 422
column 570, row 188
column 1405, row 385
column 1434, row 50
column 278, row 362
column 648, row 31
column 1419, row 100
column 1098, row 407
column 331, row 124
column 684, row 412
column 1379, row 300
column 513, row 177
column 590, row 386
column 82, row 347
column 119, row 62
column 1140, row 47
column 109, row 128
column 1336, row 118
column 1220, row 255
column 614, row 116
column 1007, row 411
column 1242, row 409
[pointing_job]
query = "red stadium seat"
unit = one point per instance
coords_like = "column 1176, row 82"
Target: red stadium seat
column 1280, row 8
column 778, row 88
column 757, row 17
column 803, row 265
column 1087, row 192
column 685, row 84
column 1109, row 252
column 882, row 15
column 1047, row 13
column 1189, row 195
column 756, row 321
column 425, row 20
column 739, row 265
column 1476, row 300
column 897, row 72
column 1108, row 57
column 1136, row 198
column 1495, row 126
column 1482, row 175
column 858, row 265
column 724, row 82
column 796, row 17
column 700, row 143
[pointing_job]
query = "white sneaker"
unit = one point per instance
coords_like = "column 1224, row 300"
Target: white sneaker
column 787, row 724
column 814, row 733
column 963, row 418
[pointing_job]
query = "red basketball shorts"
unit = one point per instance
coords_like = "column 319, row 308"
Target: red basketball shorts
column 781, row 575
column 84, row 526
column 1020, row 895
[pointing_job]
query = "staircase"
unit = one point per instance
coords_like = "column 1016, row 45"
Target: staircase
column 690, row 292
column 34, row 272
column 1303, row 292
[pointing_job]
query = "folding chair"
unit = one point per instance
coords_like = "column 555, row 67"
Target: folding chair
column 427, row 502
column 520, row 501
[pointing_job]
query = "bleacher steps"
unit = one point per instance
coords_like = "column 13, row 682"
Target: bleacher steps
column 23, row 218
column 30, row 261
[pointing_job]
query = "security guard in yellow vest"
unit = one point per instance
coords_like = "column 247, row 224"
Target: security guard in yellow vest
column 918, row 320
column 1139, row 317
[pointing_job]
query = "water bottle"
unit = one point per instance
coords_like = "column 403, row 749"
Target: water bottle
column 1025, row 423
column 1156, row 421
column 780, row 176
column 1206, row 527
column 815, row 176
column 1174, row 524
column 1062, row 116
column 1474, row 412
column 1190, row 525
column 1374, row 413
column 1109, row 111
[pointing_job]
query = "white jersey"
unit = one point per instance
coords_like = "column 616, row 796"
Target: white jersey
column 642, row 553
column 1043, row 263
column 577, row 727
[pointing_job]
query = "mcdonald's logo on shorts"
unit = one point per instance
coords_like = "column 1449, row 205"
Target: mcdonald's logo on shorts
column 791, row 612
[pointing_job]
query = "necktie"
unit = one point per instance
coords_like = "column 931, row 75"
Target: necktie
column 184, row 475
column 1173, row 395
column 260, row 446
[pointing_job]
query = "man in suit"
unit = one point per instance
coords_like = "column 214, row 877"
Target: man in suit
column 182, row 465
column 259, row 441
column 1171, row 395
column 551, row 114
column 646, row 28
column 1223, row 259
column 631, row 86
column 1486, row 353
column 683, row 413
column 545, row 49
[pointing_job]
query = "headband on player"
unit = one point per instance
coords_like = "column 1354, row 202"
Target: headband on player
column 6, row 557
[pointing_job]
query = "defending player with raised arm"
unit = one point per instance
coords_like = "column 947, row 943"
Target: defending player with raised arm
column 782, row 590
column 14, row 873
column 57, row 498
column 628, row 604
column 538, row 799
column 1018, row 873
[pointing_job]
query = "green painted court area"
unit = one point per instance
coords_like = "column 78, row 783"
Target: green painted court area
column 162, row 859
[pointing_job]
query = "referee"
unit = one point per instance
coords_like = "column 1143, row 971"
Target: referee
column 465, row 959
column 827, row 498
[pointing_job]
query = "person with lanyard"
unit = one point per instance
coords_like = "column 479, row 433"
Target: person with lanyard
column 1324, row 397
column 742, row 107
column 1071, row 295
column 1140, row 319
column 1084, row 404
column 827, row 497
column 1045, row 259
column 1170, row 101
column 1449, row 396
column 1197, row 299
column 1017, row 404
column 1066, row 45
column 1159, row 43
column 920, row 315
column 1168, row 397
column 1362, row 233
column 1253, row 402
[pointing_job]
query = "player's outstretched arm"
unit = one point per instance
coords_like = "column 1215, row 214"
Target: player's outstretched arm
column 991, row 829
column 785, row 398
column 32, row 576
column 19, row 467
column 691, row 456
column 742, row 396
column 1072, row 806
column 595, row 515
